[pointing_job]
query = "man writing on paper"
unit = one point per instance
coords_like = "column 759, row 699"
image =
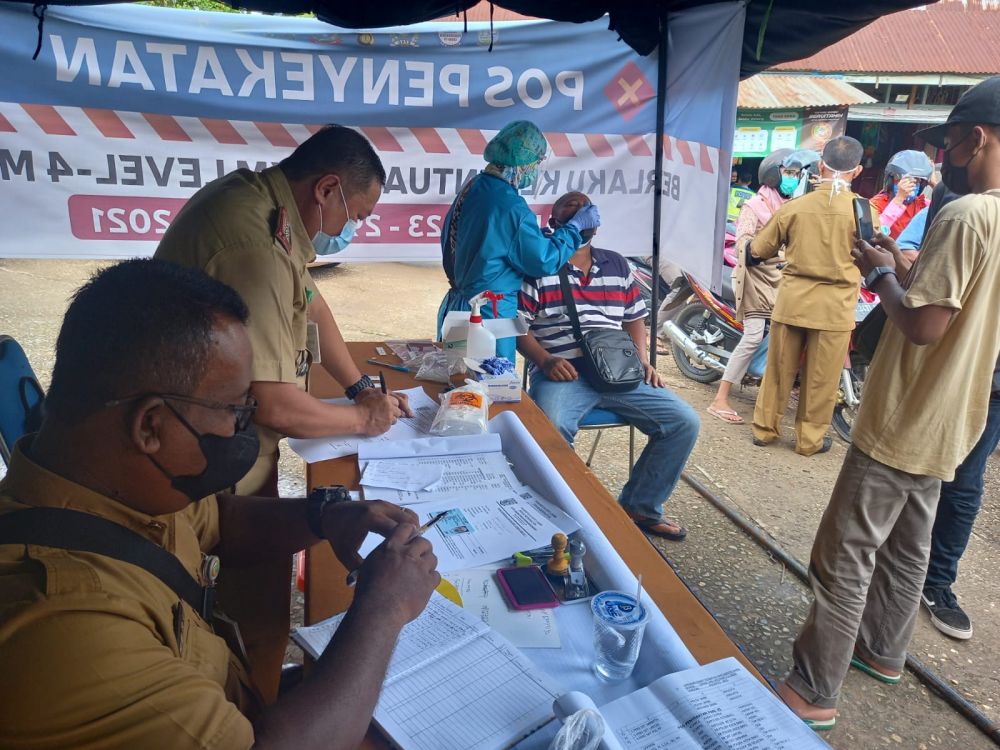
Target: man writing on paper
column 256, row 232
column 148, row 417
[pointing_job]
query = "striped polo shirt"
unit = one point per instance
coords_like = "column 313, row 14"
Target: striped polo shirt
column 606, row 298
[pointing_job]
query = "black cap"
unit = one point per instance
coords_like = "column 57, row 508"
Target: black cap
column 978, row 105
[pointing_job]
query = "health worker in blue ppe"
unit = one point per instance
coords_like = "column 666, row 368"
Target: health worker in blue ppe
column 491, row 240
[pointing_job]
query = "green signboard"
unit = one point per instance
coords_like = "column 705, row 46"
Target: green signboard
column 759, row 132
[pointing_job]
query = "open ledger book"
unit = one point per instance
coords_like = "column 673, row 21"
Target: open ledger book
column 455, row 684
column 715, row 706
column 452, row 683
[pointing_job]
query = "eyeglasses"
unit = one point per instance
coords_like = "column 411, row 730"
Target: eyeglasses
column 242, row 412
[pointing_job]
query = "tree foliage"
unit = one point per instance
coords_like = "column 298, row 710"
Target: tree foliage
column 191, row 5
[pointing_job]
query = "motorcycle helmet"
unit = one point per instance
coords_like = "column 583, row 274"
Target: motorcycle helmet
column 802, row 158
column 769, row 171
column 807, row 162
column 908, row 164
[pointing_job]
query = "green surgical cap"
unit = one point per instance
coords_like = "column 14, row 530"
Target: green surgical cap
column 519, row 143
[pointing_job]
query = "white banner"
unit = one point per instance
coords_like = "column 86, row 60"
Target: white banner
column 129, row 110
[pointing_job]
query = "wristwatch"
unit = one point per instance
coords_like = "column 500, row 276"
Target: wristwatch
column 877, row 273
column 361, row 385
column 317, row 501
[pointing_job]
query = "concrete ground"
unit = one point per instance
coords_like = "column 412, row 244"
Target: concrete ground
column 760, row 604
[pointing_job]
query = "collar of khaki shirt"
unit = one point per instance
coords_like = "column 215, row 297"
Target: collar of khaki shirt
column 281, row 191
column 31, row 484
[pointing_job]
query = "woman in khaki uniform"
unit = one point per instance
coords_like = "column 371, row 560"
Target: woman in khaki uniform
column 756, row 287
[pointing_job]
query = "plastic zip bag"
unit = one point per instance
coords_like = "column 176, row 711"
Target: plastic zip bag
column 463, row 411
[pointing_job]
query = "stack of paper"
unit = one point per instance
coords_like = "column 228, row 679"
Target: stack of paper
column 452, row 683
column 321, row 449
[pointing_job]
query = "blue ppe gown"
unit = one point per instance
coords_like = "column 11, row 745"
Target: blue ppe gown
column 499, row 243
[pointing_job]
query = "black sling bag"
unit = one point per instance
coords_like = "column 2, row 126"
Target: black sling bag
column 610, row 361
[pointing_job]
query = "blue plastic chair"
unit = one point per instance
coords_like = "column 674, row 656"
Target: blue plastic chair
column 21, row 396
column 600, row 420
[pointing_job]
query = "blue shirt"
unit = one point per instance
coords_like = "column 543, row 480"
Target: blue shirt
column 911, row 237
column 499, row 243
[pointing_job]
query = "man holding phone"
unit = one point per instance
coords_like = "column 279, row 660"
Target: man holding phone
column 814, row 311
column 932, row 375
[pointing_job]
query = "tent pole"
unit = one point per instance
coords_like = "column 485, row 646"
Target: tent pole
column 661, row 104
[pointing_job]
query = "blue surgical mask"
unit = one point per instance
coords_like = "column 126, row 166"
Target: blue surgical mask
column 326, row 244
column 787, row 185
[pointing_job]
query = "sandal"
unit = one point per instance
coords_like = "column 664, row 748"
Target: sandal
column 725, row 415
column 660, row 527
column 872, row 671
column 817, row 721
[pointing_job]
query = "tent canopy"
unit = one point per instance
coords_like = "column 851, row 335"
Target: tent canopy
column 780, row 30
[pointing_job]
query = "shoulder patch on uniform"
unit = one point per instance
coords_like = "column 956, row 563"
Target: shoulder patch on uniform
column 283, row 230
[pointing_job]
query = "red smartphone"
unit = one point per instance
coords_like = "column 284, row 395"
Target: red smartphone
column 526, row 588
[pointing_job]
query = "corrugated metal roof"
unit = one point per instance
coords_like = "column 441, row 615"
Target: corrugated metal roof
column 946, row 37
column 768, row 91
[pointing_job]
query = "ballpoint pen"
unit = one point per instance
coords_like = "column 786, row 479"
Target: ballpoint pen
column 380, row 363
column 352, row 577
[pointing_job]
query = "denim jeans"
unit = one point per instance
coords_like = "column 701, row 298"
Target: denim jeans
column 959, row 505
column 672, row 427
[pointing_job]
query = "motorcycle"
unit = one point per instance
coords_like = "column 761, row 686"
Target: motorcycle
column 705, row 332
column 852, row 377
column 642, row 270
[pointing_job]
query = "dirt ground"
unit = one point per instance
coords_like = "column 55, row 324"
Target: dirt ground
column 759, row 603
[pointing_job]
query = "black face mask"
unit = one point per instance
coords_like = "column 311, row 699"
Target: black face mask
column 227, row 460
column 956, row 179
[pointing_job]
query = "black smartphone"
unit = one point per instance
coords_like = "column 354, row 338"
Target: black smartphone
column 863, row 219
column 526, row 588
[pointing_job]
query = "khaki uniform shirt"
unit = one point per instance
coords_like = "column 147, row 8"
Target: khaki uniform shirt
column 92, row 654
column 925, row 406
column 819, row 284
column 245, row 230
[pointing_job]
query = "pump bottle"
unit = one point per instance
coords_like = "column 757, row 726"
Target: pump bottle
column 480, row 343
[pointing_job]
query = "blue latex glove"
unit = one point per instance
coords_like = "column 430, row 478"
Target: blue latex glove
column 587, row 217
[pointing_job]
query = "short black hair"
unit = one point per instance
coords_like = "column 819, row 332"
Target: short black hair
column 339, row 150
column 140, row 326
column 565, row 198
column 843, row 153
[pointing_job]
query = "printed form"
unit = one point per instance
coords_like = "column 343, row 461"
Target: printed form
column 487, row 530
column 321, row 449
column 452, row 683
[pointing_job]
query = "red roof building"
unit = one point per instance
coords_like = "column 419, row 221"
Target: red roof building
column 950, row 37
